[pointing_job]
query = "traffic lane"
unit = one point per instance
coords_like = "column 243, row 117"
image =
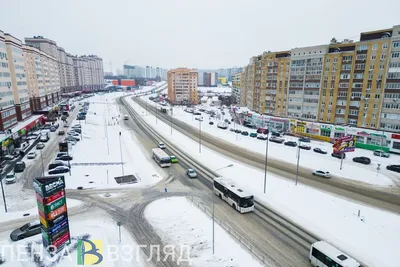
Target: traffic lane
column 344, row 187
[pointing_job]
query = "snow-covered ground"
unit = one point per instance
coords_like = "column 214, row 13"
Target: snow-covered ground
column 179, row 222
column 350, row 170
column 372, row 238
column 93, row 226
column 97, row 157
column 31, row 213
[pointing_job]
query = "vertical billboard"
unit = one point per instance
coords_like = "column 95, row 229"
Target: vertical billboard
column 344, row 144
column 52, row 209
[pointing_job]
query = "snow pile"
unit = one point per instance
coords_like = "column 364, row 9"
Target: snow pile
column 178, row 222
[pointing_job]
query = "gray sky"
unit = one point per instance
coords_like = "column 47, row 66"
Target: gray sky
column 192, row 33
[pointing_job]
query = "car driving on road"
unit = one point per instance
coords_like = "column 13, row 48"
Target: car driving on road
column 320, row 150
column 64, row 158
column 19, row 166
column 31, row 155
column 362, row 160
column 161, row 145
column 40, row 146
column 191, row 173
column 27, row 230
column 174, row 159
column 320, row 173
column 339, row 155
column 290, row 143
column 276, row 139
column 395, row 168
column 10, row 178
column 305, row 147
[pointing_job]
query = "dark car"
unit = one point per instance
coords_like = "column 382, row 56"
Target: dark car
column 27, row 230
column 81, row 118
column 305, row 147
column 290, row 143
column 362, row 160
column 8, row 157
column 238, row 131
column 253, row 135
column 395, row 168
column 245, row 133
column 338, row 155
column 320, row 151
column 304, row 139
column 56, row 164
column 77, row 130
column 274, row 133
column 211, row 123
column 59, row 169
column 61, row 132
column 19, row 166
column 276, row 139
column 64, row 157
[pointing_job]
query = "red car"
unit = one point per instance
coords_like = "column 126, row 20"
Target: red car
column 262, row 131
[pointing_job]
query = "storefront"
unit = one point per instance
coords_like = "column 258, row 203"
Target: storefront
column 372, row 140
column 338, row 132
column 395, row 143
column 326, row 130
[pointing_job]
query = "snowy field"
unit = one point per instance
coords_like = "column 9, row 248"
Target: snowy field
column 350, row 170
column 179, row 222
column 92, row 226
column 97, row 157
column 372, row 238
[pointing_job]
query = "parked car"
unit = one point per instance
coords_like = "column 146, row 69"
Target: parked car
column 245, row 133
column 59, row 154
column 238, row 131
column 77, row 130
column 262, row 131
column 19, row 166
column 320, row 150
column 253, row 135
column 61, row 132
column 290, row 143
column 8, row 157
column 305, row 139
column 77, row 126
column 53, row 129
column 338, row 155
column 126, row 117
column 65, row 126
column 276, row 139
column 31, row 155
column 191, row 173
column 70, row 139
column 56, row 164
column 65, row 158
column 324, row 174
column 81, row 118
column 40, row 146
column 381, row 153
column 262, row 136
column 59, row 169
column 395, row 168
column 362, row 160
column 27, row 230
column 161, row 145
column 10, row 178
column 211, row 123
column 232, row 129
column 174, row 159
column 44, row 138
column 75, row 135
column 199, row 118
column 305, row 147
column 275, row 133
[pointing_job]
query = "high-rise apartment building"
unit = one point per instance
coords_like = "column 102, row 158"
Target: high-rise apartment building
column 356, row 83
column 182, row 86
column 84, row 74
column 236, row 85
column 207, row 79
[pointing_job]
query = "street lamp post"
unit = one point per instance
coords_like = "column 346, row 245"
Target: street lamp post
column 120, row 148
column 41, row 157
column 5, row 203
column 213, row 214
column 265, row 167
column 298, row 161
column 200, row 119
column 172, row 111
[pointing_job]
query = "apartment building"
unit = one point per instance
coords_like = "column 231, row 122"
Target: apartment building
column 182, row 86
column 236, row 85
column 84, row 74
column 355, row 83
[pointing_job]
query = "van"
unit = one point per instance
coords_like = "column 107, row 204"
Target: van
column 19, row 166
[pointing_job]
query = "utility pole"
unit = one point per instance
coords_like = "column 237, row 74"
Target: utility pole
column 200, row 119
column 298, row 161
column 120, row 148
column 4, row 196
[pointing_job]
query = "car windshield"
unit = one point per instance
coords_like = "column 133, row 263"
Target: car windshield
column 191, row 171
column 10, row 176
column 25, row 227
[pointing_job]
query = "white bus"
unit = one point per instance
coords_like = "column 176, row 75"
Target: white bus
column 238, row 198
column 162, row 158
column 323, row 254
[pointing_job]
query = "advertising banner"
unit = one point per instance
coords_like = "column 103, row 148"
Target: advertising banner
column 52, row 209
column 344, row 144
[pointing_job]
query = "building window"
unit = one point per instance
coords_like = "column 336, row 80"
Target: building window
column 396, row 55
column 374, row 46
column 373, row 57
column 385, row 46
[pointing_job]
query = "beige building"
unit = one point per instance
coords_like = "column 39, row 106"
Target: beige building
column 182, row 86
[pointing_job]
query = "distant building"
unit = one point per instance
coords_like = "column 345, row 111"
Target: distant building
column 236, row 85
column 222, row 80
column 207, row 79
column 182, row 86
column 134, row 71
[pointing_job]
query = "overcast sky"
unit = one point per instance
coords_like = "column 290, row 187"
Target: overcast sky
column 192, row 33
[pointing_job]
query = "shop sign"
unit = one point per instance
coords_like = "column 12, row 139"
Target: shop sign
column 54, row 214
column 378, row 135
column 55, row 205
column 301, row 124
column 339, row 129
column 46, row 186
column 54, row 197
column 396, row 136
column 344, row 144
column 351, row 131
column 363, row 133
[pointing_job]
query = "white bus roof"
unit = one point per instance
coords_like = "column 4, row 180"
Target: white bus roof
column 335, row 254
column 228, row 183
column 160, row 153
